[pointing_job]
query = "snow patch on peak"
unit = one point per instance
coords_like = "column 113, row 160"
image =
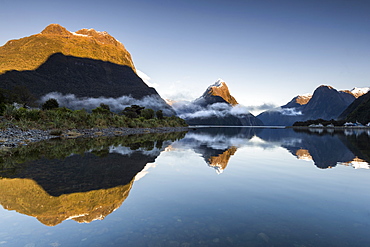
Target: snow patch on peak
column 359, row 91
column 306, row 95
column 78, row 34
column 218, row 83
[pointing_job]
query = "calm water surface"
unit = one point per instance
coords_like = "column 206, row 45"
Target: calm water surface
column 208, row 187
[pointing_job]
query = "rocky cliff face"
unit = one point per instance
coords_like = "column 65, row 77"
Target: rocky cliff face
column 30, row 52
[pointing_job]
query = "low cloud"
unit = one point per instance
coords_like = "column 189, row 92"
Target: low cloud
column 191, row 110
column 146, row 78
column 263, row 107
column 116, row 104
column 290, row 112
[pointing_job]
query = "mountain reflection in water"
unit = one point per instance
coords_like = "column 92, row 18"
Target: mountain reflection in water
column 79, row 179
column 325, row 148
column 87, row 179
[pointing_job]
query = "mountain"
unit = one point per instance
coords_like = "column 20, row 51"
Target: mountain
column 359, row 110
column 298, row 100
column 217, row 107
column 217, row 93
column 83, row 77
column 326, row 103
column 86, row 63
column 30, row 52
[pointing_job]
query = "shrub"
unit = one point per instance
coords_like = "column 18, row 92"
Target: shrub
column 159, row 114
column 130, row 114
column 9, row 111
column 2, row 108
column 32, row 114
column 104, row 106
column 50, row 104
column 147, row 113
column 100, row 110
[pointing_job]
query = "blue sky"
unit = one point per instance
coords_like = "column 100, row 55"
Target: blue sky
column 266, row 51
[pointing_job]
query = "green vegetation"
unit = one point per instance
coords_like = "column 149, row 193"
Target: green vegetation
column 50, row 104
column 53, row 117
column 19, row 94
column 361, row 113
column 319, row 121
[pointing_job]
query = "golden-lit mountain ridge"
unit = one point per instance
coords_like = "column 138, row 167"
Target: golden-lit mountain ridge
column 30, row 52
column 220, row 89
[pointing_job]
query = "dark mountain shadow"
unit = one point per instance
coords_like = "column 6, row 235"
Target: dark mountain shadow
column 84, row 78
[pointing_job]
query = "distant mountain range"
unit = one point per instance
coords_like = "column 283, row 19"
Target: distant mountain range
column 325, row 103
column 92, row 64
column 217, row 107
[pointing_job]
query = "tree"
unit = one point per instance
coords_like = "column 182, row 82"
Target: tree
column 50, row 104
column 101, row 109
column 147, row 113
column 133, row 112
column 104, row 106
column 22, row 95
column 159, row 114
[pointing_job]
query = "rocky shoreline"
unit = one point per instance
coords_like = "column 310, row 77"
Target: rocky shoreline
column 14, row 136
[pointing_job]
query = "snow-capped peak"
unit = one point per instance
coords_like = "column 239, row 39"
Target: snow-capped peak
column 359, row 91
column 218, row 83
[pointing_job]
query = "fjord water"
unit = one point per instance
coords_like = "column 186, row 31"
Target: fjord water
column 208, row 187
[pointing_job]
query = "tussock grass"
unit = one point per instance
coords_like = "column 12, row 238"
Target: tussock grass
column 63, row 118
